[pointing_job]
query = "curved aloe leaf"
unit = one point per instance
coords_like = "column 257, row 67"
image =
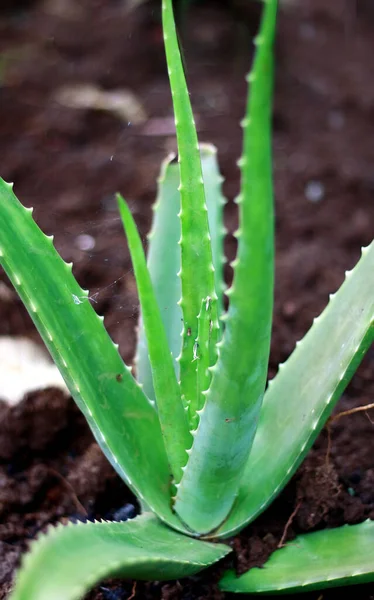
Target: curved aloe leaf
column 173, row 418
column 302, row 396
column 328, row 558
column 197, row 271
column 78, row 556
column 164, row 254
column 119, row 414
column 229, row 418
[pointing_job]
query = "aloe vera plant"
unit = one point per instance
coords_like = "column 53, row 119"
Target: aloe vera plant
column 197, row 436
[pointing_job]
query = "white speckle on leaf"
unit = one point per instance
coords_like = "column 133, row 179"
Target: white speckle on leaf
column 195, row 352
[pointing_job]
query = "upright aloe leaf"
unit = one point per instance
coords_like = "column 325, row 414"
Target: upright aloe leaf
column 115, row 407
column 229, row 418
column 328, row 558
column 197, row 271
column 163, row 266
column 164, row 254
column 76, row 557
column 202, row 354
column 215, row 202
column 302, row 396
column 173, row 418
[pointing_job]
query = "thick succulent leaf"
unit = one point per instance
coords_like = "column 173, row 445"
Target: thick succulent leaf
column 197, row 271
column 164, row 254
column 121, row 418
column 163, row 266
column 171, row 413
column 229, row 418
column 69, row 560
column 202, row 356
column 328, row 558
column 302, row 396
column 215, row 202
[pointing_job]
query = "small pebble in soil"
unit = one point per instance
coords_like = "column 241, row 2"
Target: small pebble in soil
column 314, row 191
column 355, row 477
column 289, row 309
column 85, row 242
column 115, row 594
column 128, row 511
column 336, row 120
column 307, row 31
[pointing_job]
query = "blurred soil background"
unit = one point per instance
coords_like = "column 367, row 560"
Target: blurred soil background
column 86, row 112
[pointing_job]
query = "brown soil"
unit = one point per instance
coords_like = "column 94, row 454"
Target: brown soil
column 68, row 163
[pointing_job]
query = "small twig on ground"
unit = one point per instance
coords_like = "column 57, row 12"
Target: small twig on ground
column 344, row 413
column 291, row 518
column 78, row 505
column 351, row 411
column 133, row 591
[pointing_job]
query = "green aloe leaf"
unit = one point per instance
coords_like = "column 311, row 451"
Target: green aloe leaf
column 163, row 265
column 173, row 418
column 164, row 254
column 328, row 558
column 197, row 271
column 303, row 394
column 202, row 353
column 119, row 414
column 229, row 418
column 215, row 202
column 76, row 557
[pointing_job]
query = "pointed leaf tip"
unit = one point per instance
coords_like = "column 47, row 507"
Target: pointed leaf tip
column 66, row 562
